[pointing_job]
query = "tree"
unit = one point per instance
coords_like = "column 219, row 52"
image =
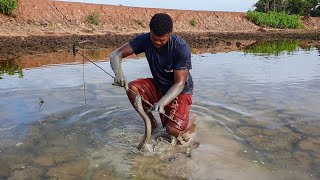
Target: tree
column 303, row 7
column 263, row 5
column 297, row 7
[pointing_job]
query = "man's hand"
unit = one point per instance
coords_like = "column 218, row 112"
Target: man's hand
column 121, row 80
column 115, row 62
column 158, row 107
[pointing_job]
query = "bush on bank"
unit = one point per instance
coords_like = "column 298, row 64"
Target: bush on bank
column 275, row 19
column 93, row 18
column 8, row 6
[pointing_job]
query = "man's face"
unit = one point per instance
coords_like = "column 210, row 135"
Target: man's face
column 159, row 41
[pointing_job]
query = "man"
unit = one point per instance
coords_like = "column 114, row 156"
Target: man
column 170, row 90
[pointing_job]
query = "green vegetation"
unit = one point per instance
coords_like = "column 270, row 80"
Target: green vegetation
column 11, row 68
column 8, row 6
column 297, row 7
column 275, row 19
column 93, row 18
column 273, row 47
column 193, row 22
column 54, row 178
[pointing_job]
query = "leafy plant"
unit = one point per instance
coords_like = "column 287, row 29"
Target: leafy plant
column 193, row 22
column 275, row 19
column 8, row 6
column 93, row 18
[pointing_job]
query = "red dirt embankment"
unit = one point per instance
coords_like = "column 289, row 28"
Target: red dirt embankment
column 44, row 17
column 47, row 26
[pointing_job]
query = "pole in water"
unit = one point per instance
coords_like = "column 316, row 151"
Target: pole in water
column 74, row 49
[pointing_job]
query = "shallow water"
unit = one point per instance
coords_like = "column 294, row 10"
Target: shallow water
column 257, row 118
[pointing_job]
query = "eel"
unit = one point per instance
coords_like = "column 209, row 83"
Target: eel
column 145, row 144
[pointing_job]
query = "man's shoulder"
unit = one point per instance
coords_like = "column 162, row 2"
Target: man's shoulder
column 178, row 41
column 140, row 42
column 179, row 44
column 143, row 35
column 178, row 38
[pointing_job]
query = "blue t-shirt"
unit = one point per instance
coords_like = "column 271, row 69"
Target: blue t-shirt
column 175, row 55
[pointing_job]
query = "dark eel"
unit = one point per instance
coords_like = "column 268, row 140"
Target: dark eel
column 145, row 144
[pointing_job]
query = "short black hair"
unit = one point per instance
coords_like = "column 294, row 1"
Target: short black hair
column 161, row 24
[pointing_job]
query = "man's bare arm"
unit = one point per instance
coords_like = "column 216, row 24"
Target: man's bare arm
column 180, row 78
column 115, row 62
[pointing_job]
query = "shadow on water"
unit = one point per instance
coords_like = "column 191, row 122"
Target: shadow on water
column 248, row 125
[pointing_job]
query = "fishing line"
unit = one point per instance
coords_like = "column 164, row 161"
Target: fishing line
column 84, row 83
column 76, row 50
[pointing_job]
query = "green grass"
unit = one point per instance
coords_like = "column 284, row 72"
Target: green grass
column 8, row 6
column 193, row 22
column 273, row 47
column 93, row 18
column 275, row 19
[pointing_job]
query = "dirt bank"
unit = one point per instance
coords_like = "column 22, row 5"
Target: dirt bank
column 48, row 26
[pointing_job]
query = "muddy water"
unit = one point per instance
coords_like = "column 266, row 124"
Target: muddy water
column 257, row 118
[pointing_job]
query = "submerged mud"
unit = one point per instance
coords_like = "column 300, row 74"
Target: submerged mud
column 92, row 142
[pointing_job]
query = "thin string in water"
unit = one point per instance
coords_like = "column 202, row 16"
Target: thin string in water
column 84, row 82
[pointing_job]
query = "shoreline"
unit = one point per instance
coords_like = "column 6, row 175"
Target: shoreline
column 17, row 46
column 44, row 26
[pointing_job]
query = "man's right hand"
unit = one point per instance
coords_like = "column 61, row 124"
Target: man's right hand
column 115, row 63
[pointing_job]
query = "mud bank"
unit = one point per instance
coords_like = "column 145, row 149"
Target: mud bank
column 15, row 47
column 42, row 26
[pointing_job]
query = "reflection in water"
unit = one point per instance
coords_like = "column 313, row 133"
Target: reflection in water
column 11, row 67
column 272, row 47
column 255, row 118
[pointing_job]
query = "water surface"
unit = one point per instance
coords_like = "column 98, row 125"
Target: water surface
column 257, row 118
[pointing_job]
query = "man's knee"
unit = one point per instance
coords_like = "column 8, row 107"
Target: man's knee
column 173, row 131
column 179, row 127
column 133, row 91
column 132, row 86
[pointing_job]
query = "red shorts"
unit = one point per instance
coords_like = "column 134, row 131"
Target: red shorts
column 178, row 110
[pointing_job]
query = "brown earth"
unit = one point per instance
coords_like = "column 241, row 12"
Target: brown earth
column 50, row 26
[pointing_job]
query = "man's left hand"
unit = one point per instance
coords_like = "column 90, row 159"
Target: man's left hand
column 158, row 108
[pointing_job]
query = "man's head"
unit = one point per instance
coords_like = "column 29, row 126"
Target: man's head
column 161, row 26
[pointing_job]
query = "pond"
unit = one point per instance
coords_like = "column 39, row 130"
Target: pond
column 258, row 115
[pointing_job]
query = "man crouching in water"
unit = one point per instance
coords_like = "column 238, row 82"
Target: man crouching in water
column 170, row 90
